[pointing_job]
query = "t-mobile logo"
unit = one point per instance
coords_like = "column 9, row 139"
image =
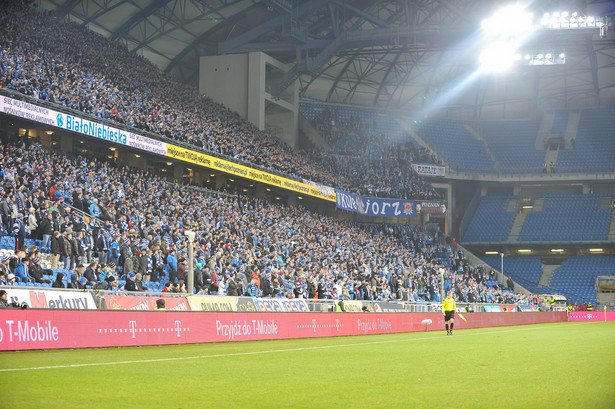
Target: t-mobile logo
column 133, row 328
column 178, row 327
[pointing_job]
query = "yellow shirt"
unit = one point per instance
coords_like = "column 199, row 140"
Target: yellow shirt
column 449, row 304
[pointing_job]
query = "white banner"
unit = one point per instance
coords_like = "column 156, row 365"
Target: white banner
column 80, row 125
column 280, row 305
column 428, row 170
column 325, row 190
column 52, row 299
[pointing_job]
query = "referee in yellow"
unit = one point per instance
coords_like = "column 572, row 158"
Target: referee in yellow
column 448, row 309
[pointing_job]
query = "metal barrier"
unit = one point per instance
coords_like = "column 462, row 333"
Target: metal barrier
column 132, row 300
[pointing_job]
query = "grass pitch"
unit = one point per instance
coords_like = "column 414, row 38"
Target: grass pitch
column 562, row 365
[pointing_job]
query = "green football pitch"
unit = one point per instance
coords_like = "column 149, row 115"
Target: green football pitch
column 562, row 365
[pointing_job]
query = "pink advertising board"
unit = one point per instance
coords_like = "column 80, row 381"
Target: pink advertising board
column 591, row 316
column 49, row 329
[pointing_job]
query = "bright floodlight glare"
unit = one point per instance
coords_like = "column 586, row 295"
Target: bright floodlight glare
column 508, row 21
column 527, row 56
column 562, row 55
column 498, row 57
column 548, row 56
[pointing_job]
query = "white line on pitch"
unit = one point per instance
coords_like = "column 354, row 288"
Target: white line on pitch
column 138, row 361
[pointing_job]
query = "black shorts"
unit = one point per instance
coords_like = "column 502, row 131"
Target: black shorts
column 449, row 315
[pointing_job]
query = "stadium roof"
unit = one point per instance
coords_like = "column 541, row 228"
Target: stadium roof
column 420, row 55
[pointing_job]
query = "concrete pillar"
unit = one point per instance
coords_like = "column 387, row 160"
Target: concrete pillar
column 66, row 143
column 178, row 171
column 221, row 181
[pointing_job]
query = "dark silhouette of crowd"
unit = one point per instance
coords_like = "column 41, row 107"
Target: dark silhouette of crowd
column 67, row 64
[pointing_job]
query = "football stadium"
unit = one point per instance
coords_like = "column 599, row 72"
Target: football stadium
column 307, row 204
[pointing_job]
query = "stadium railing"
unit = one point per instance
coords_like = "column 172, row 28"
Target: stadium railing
column 56, row 298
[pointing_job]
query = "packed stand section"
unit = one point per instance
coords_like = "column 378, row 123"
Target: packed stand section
column 131, row 236
column 375, row 159
column 67, row 64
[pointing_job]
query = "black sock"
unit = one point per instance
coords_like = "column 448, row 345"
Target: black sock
column 446, row 325
column 452, row 323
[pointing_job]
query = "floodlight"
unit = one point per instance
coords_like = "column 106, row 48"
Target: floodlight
column 508, row 21
column 545, row 57
column 498, row 57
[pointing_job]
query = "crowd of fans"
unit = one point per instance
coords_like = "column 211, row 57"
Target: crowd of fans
column 67, row 64
column 357, row 138
column 243, row 245
column 374, row 163
column 131, row 231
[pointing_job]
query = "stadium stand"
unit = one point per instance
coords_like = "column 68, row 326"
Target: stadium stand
column 371, row 150
column 560, row 122
column 569, row 217
column 374, row 122
column 290, row 249
column 456, row 145
column 594, row 140
column 513, row 145
column 525, row 271
column 492, row 220
column 67, row 64
column 576, row 277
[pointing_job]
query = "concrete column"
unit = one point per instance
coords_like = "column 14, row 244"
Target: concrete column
column 66, row 143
